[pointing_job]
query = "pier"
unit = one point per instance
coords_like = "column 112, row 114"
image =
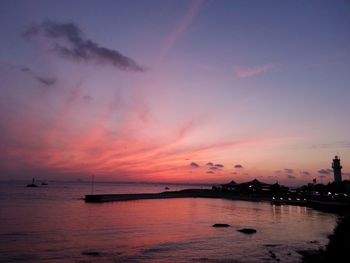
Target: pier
column 101, row 198
column 187, row 193
column 326, row 206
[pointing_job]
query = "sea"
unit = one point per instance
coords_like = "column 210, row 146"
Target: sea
column 52, row 223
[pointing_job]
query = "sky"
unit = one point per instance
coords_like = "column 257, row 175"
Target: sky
column 196, row 91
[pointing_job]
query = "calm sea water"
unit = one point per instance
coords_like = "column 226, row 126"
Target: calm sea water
column 52, row 224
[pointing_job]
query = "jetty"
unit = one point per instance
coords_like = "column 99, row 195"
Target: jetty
column 249, row 191
column 326, row 206
column 334, row 197
column 101, row 198
column 187, row 193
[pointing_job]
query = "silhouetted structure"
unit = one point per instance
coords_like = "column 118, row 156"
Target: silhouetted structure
column 337, row 169
column 32, row 184
column 255, row 186
column 278, row 189
column 231, row 186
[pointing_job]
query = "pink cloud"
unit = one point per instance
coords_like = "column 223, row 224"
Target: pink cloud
column 181, row 27
column 248, row 72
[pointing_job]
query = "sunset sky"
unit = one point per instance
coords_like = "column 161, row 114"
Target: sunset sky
column 174, row 91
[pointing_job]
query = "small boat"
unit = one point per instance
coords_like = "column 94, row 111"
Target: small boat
column 32, row 184
column 166, row 188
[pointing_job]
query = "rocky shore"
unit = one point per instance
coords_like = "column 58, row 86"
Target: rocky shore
column 338, row 247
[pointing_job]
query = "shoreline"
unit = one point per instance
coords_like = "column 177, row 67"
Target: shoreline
column 335, row 251
column 186, row 193
column 329, row 207
column 338, row 247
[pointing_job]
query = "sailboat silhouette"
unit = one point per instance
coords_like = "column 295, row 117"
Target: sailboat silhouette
column 32, row 184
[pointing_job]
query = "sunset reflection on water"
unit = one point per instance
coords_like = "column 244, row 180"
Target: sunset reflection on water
column 51, row 229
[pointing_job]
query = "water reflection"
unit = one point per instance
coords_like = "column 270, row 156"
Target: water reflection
column 282, row 211
column 56, row 230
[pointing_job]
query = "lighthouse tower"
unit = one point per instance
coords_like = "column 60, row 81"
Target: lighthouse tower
column 337, row 169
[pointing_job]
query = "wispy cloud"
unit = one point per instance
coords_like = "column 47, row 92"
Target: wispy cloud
column 47, row 81
column 180, row 28
column 325, row 171
column 247, row 72
column 338, row 144
column 288, row 170
column 69, row 42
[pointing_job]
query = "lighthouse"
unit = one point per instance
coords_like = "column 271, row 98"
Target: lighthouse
column 337, row 169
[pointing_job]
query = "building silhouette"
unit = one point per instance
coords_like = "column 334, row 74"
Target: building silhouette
column 337, row 169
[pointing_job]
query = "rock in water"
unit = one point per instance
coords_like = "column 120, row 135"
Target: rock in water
column 247, row 230
column 91, row 253
column 221, row 225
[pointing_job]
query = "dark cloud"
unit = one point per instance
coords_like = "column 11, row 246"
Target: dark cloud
column 210, row 172
column 219, row 165
column 325, row 171
column 76, row 47
column 46, row 81
column 290, row 176
column 213, row 168
column 210, row 164
column 304, row 173
column 87, row 98
column 24, row 69
column 194, row 165
column 238, row 166
column 287, row 170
